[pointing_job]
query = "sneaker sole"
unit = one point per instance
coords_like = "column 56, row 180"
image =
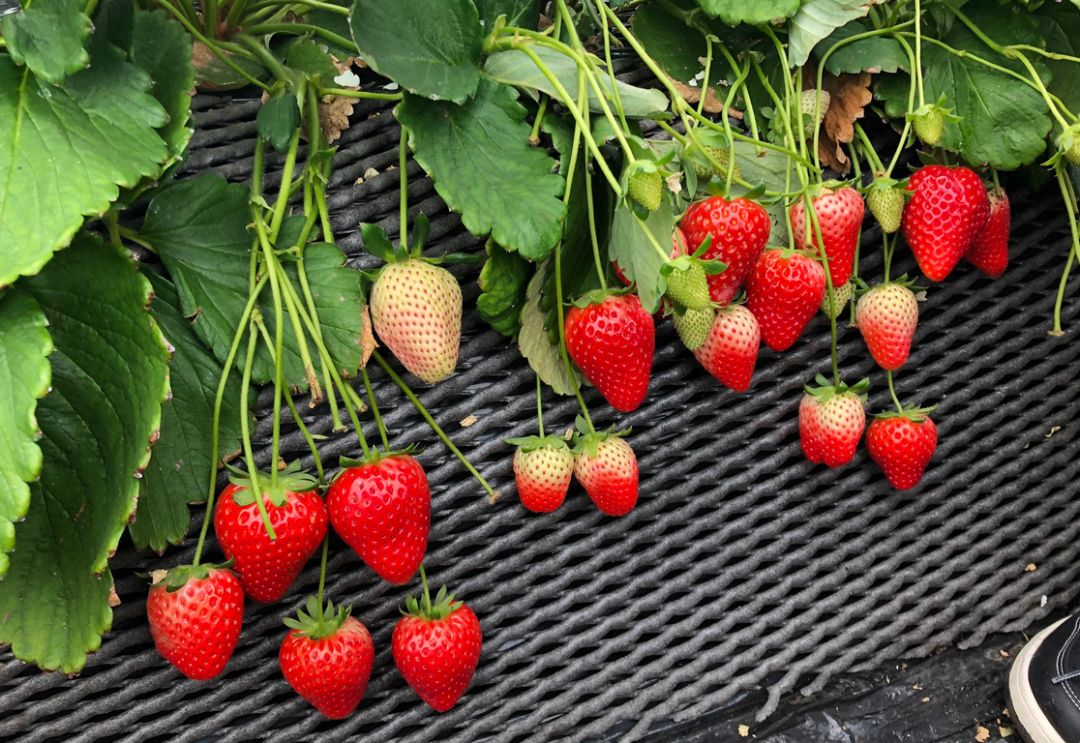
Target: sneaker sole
column 1034, row 726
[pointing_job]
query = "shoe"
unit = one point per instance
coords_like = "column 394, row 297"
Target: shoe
column 1044, row 685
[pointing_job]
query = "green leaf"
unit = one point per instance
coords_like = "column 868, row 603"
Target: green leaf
column 305, row 56
column 874, row 54
column 199, row 228
column 1060, row 26
column 115, row 22
column 179, row 470
column 336, row 23
column 677, row 47
column 429, row 47
column 162, row 47
column 65, row 150
column 502, row 289
column 483, row 167
column 520, row 13
column 740, row 11
column 816, row 20
column 109, row 376
column 25, row 346
column 535, row 345
column 48, row 37
column 638, row 258
column 278, row 120
column 514, row 67
column 761, row 167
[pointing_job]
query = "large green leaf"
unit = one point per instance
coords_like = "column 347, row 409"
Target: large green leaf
column 48, row 37
column 520, row 13
column 162, row 47
column 816, row 20
column 429, row 47
column 179, row 470
column 638, row 257
column 741, row 11
column 483, row 167
column 199, row 228
column 873, row 54
column 677, row 47
column 25, row 346
column 65, row 150
column 1060, row 26
column 515, row 67
column 502, row 283
column 109, row 376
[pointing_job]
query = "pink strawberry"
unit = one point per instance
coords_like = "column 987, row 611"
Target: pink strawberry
column 831, row 422
column 543, row 468
column 887, row 316
column 989, row 251
column 730, row 351
column 948, row 207
column 784, row 291
column 902, row 444
column 739, row 230
column 606, row 467
column 840, row 215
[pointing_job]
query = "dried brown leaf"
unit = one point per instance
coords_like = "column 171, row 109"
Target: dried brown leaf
column 713, row 104
column 334, row 113
column 982, row 734
column 848, row 97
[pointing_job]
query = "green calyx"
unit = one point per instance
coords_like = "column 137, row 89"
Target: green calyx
column 915, row 415
column 586, row 440
column 535, row 443
column 825, row 390
column 289, row 480
column 375, row 457
column 377, row 242
column 315, row 621
column 424, row 608
column 178, row 577
column 596, row 296
column 1069, row 145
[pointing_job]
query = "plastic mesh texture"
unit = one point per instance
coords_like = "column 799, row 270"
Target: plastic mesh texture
column 743, row 567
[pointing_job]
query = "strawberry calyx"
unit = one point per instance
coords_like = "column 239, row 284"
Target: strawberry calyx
column 176, row 578
column 292, row 479
column 586, row 441
column 825, row 390
column 315, row 621
column 915, row 415
column 597, row 296
column 424, row 608
column 374, row 457
column 861, row 287
column 535, row 443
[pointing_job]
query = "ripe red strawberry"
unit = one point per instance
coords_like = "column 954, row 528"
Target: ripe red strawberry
column 784, row 291
column 887, row 316
column 831, row 422
column 612, row 338
column 436, row 647
column 739, row 230
column 543, row 468
column 382, row 509
column 989, row 251
column 416, row 310
column 606, row 467
column 840, row 215
column 195, row 614
column 902, row 444
column 730, row 351
column 268, row 566
column 948, row 207
column 327, row 658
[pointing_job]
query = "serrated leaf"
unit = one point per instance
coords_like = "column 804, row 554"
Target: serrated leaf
column 874, row 54
column 114, row 21
column 65, row 150
column 514, row 67
column 48, row 37
column 483, row 167
column 502, row 289
column 520, row 13
column 278, row 119
column 816, row 20
column 25, row 346
column 678, row 48
column 740, row 11
column 199, row 228
column 534, row 344
column 305, row 56
column 760, row 167
column 336, row 23
column 162, row 47
column 638, row 258
column 109, row 376
column 179, row 470
column 428, row 47
column 1060, row 26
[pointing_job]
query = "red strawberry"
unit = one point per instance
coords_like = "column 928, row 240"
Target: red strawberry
column 606, row 467
column 739, row 230
column 948, row 207
column 195, row 615
column 382, row 509
column 902, row 445
column 542, row 470
column 784, row 291
column 327, row 658
column 437, row 646
column 840, row 215
column 887, row 316
column 268, row 566
column 612, row 338
column 989, row 251
column 730, row 351
column 831, row 422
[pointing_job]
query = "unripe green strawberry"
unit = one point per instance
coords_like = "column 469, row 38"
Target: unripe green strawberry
column 416, row 310
column 647, row 188
column 929, row 125
column 688, row 286
column 810, row 106
column 886, row 203
column 693, row 327
column 1072, row 155
column 841, row 296
column 703, row 158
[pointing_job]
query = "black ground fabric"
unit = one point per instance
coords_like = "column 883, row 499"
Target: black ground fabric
column 744, row 568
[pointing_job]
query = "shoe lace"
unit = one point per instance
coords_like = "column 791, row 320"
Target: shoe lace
column 1068, row 676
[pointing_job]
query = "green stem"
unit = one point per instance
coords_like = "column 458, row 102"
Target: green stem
column 299, row 29
column 892, row 392
column 281, row 206
column 132, row 236
column 245, row 431
column 539, row 406
column 1069, row 197
column 868, row 150
column 375, row 409
column 611, row 69
column 213, row 47
column 918, row 53
column 600, row 272
column 809, row 209
column 534, row 135
column 705, row 81
column 349, row 93
column 263, row 54
column 210, row 17
column 322, row 580
column 403, row 155
column 306, row 433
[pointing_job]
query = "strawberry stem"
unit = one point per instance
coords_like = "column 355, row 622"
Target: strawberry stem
column 600, row 272
column 808, row 204
column 403, row 154
column 245, row 429
column 322, row 581
column 1069, row 197
column 539, row 406
column 918, row 53
column 306, row 433
column 375, row 409
column 892, row 392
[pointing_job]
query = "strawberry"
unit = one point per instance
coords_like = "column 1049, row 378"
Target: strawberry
column 738, row 229
column 929, row 125
column 1072, row 155
column 195, row 615
column 646, row 188
column 841, row 295
column 831, row 422
column 606, row 467
column 902, row 444
column 947, row 209
column 887, row 316
column 708, row 160
column 267, row 565
column 885, row 198
column 730, row 352
column 693, row 326
column 543, row 467
column 416, row 310
column 382, row 509
column 327, row 658
column 436, row 647
column 612, row 338
column 840, row 214
column 989, row 251
column 687, row 283
column 784, row 291
column 814, row 104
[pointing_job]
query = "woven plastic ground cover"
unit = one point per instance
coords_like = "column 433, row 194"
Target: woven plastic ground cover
column 743, row 567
